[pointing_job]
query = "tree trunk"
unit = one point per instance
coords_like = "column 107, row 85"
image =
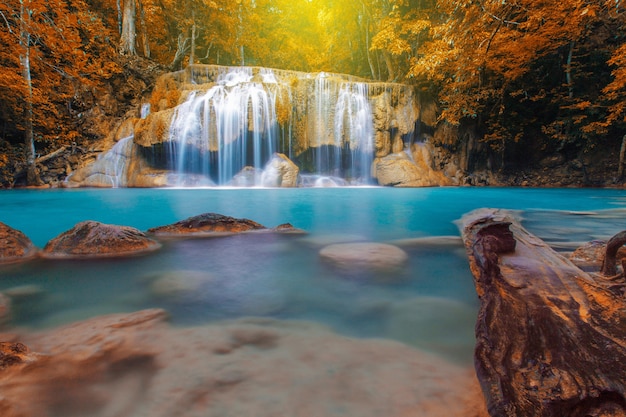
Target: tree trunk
column 192, row 55
column 144, row 30
column 568, row 70
column 390, row 71
column 612, row 246
column 181, row 50
column 622, row 154
column 129, row 34
column 549, row 337
column 32, row 176
column 119, row 16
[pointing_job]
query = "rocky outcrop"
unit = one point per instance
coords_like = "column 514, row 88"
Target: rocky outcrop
column 128, row 365
column 15, row 246
column 358, row 257
column 310, row 117
column 92, row 239
column 401, row 170
column 213, row 224
column 549, row 339
column 207, row 224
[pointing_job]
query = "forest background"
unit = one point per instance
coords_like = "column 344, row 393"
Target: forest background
column 519, row 89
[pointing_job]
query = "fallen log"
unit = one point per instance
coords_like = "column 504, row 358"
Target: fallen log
column 550, row 338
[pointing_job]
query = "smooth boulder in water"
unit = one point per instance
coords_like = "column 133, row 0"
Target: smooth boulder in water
column 91, row 239
column 15, row 246
column 364, row 256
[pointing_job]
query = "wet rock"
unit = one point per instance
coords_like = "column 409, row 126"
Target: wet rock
column 288, row 228
column 93, row 239
column 15, row 246
column 400, row 171
column 12, row 353
column 280, row 171
column 364, row 256
column 247, row 177
column 207, row 224
column 129, row 365
column 182, row 285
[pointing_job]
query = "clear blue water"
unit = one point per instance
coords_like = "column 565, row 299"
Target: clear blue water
column 430, row 303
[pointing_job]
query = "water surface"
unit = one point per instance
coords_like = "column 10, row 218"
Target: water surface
column 430, row 303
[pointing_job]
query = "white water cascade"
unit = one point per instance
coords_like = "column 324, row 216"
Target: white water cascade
column 233, row 125
column 219, row 132
column 227, row 126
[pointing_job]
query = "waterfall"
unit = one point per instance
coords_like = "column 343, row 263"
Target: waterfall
column 211, row 125
column 353, row 123
column 231, row 126
column 341, row 130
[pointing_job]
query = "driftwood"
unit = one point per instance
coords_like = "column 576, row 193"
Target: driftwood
column 551, row 339
column 612, row 246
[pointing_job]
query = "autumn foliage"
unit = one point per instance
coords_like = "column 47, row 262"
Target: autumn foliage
column 523, row 74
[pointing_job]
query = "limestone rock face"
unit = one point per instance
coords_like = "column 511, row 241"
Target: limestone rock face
column 129, row 365
column 280, row 171
column 207, row 224
column 364, row 256
column 94, row 239
column 399, row 170
column 15, row 246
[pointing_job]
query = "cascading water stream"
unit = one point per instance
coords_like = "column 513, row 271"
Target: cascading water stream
column 248, row 126
column 342, row 131
column 353, row 123
column 218, row 133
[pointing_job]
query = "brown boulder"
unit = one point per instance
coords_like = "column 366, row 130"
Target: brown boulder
column 207, row 224
column 213, row 224
column 95, row 239
column 15, row 246
column 399, row 170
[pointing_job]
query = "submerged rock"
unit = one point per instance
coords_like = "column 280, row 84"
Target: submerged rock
column 182, row 285
column 15, row 246
column 280, row 171
column 135, row 364
column 94, row 239
column 5, row 310
column 364, row 256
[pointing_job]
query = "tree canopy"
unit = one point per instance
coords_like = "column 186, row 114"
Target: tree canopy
column 548, row 74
